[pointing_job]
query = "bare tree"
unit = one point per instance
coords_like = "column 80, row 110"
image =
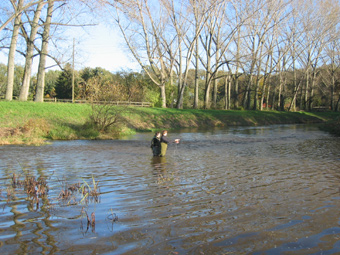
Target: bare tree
column 332, row 66
column 17, row 11
column 216, row 39
column 331, row 57
column 143, row 26
column 185, row 40
column 34, row 26
column 197, row 11
column 11, row 55
column 313, row 20
column 39, row 97
column 174, row 43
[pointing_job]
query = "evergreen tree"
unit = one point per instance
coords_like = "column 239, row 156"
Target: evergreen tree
column 63, row 86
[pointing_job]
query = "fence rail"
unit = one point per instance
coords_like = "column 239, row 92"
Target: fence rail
column 120, row 103
column 320, row 109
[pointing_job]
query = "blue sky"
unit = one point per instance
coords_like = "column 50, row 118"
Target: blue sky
column 99, row 47
column 104, row 47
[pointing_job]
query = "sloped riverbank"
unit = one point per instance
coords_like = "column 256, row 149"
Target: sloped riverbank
column 33, row 123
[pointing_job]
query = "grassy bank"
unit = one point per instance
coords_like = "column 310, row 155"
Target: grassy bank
column 32, row 123
column 332, row 126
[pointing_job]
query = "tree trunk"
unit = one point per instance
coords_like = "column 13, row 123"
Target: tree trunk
column 280, row 85
column 207, row 92
column 196, row 78
column 307, row 90
column 236, row 91
column 312, row 91
column 215, row 94
column 258, row 78
column 337, row 105
column 256, row 92
column 268, row 96
column 236, row 87
column 39, row 95
column 295, row 90
column 227, row 92
column 163, row 94
column 266, row 77
column 29, row 53
column 246, row 99
column 332, row 91
column 208, row 77
column 294, row 96
column 216, row 80
column 301, row 99
column 263, row 91
column 247, row 95
column 181, row 84
column 12, row 50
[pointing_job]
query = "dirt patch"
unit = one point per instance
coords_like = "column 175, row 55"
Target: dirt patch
column 5, row 131
column 32, row 132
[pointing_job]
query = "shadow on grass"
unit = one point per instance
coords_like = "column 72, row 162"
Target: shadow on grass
column 63, row 130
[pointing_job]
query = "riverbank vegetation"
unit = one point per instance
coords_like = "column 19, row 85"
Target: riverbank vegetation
column 34, row 123
column 332, row 126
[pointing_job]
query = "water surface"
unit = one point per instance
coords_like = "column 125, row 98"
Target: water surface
column 245, row 190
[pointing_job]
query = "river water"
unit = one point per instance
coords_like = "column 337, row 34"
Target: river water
column 244, row 190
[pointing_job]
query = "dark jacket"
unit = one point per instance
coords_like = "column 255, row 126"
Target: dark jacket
column 164, row 139
column 156, row 146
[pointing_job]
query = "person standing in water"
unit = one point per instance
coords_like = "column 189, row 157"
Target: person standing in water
column 165, row 142
column 156, row 144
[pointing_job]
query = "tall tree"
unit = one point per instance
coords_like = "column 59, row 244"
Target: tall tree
column 34, row 26
column 11, row 55
column 63, row 87
column 142, row 25
column 39, row 96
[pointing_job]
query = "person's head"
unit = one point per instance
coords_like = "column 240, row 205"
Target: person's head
column 158, row 134
column 164, row 132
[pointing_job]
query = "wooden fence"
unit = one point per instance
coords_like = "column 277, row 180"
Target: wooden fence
column 121, row 103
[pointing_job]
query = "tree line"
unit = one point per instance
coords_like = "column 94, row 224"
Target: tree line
column 95, row 84
column 227, row 54
column 30, row 28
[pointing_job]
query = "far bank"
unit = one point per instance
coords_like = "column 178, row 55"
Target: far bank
column 33, row 123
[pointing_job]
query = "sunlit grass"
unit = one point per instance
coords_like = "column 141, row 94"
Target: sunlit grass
column 32, row 123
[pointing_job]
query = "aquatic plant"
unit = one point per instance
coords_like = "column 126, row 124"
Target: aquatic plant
column 166, row 178
column 10, row 193
column 15, row 181
column 112, row 216
column 68, row 192
column 91, row 222
column 89, row 192
column 32, row 186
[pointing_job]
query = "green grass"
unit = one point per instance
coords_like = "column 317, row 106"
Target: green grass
column 332, row 126
column 32, row 123
column 175, row 118
column 14, row 113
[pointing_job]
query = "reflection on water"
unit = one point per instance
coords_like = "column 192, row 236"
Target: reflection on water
column 247, row 190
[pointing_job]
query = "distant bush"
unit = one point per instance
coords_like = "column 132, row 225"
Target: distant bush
column 106, row 116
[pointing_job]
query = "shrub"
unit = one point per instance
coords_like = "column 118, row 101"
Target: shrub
column 105, row 116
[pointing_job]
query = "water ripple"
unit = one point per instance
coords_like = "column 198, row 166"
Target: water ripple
column 249, row 190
